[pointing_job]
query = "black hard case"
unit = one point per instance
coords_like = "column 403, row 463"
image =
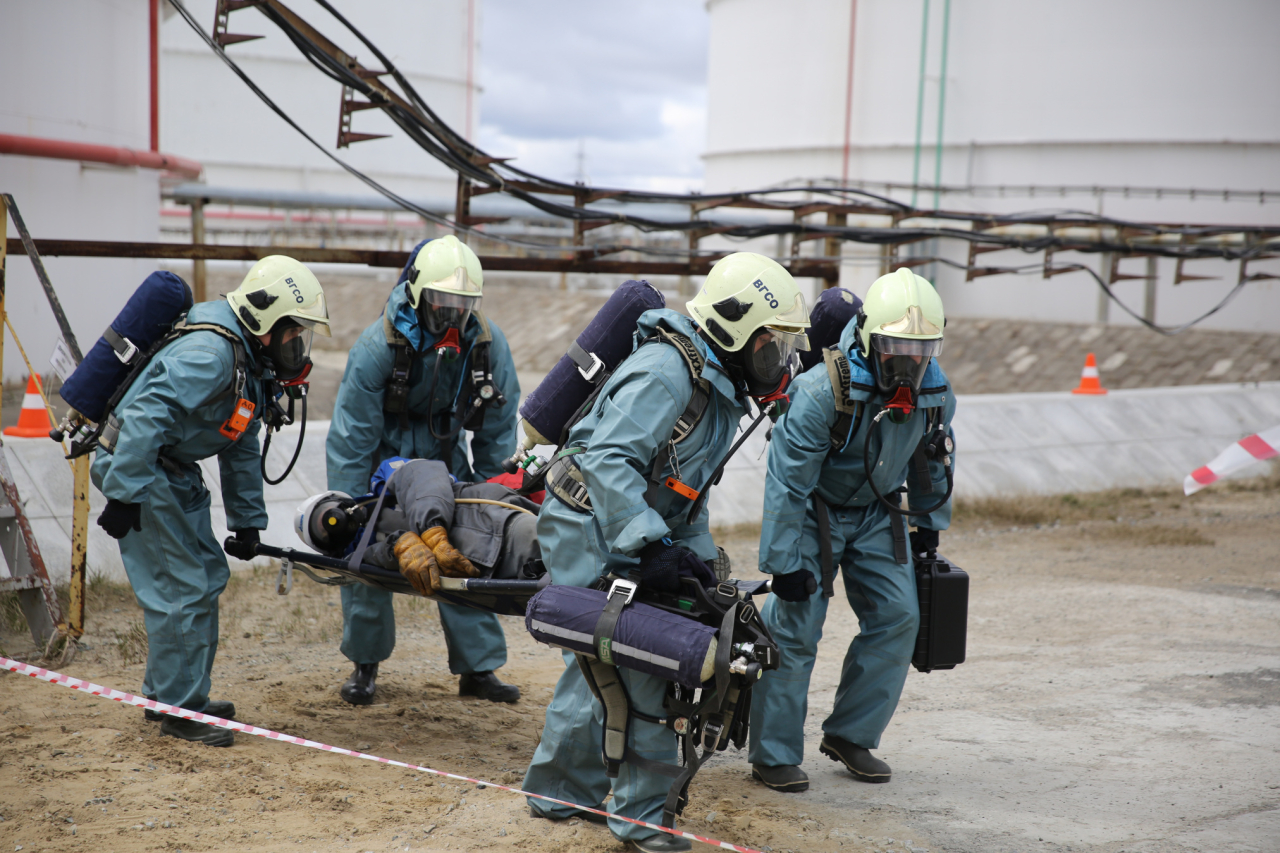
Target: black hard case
column 943, row 589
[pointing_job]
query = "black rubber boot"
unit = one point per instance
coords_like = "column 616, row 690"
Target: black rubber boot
column 360, row 687
column 590, row 817
column 663, row 844
column 864, row 766
column 215, row 708
column 787, row 778
column 195, row 731
column 487, row 686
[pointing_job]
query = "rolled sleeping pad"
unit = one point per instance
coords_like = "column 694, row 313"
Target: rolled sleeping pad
column 831, row 313
column 646, row 639
column 608, row 336
column 150, row 312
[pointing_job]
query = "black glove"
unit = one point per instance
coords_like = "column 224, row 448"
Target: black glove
column 119, row 518
column 659, row 568
column 242, row 547
column 795, row 586
column 924, row 541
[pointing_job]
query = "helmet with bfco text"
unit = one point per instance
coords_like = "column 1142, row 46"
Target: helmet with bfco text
column 282, row 298
column 752, row 310
column 900, row 329
column 444, row 283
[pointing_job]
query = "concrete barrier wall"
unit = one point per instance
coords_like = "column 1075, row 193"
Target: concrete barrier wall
column 1007, row 444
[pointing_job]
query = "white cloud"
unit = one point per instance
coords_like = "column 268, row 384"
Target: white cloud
column 625, row 83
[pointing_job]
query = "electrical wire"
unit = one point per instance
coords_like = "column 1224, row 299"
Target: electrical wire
column 435, row 136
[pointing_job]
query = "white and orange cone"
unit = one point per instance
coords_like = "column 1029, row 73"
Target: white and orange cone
column 1089, row 381
column 33, row 420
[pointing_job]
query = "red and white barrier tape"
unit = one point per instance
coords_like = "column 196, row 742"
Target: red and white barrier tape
column 1246, row 451
column 141, row 702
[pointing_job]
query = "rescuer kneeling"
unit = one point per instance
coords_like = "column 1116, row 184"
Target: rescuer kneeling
column 869, row 420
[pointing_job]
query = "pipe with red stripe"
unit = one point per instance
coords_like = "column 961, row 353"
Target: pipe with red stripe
column 60, row 149
column 129, row 699
column 1245, row 452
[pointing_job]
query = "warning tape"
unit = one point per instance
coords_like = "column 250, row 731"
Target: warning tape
column 1246, row 451
column 142, row 702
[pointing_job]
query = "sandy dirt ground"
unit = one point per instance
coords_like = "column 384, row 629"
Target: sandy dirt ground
column 1122, row 693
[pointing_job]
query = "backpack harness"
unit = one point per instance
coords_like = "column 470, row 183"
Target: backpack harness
column 470, row 411
column 108, row 430
column 848, row 419
column 564, row 476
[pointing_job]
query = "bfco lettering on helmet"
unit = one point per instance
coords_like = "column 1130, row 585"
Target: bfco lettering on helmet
column 760, row 286
column 297, row 292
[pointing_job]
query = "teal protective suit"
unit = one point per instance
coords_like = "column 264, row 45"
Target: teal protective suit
column 632, row 418
column 881, row 591
column 176, row 567
column 362, row 435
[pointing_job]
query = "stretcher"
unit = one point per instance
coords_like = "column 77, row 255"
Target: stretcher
column 503, row 597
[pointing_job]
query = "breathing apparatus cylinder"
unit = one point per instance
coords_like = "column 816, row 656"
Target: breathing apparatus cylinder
column 832, row 311
column 646, row 638
column 601, row 347
column 146, row 317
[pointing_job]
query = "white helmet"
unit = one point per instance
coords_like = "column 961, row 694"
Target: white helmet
column 449, row 274
column 751, row 308
column 900, row 329
column 324, row 522
column 282, row 298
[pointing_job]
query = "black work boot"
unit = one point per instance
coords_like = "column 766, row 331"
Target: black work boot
column 787, row 778
column 215, row 708
column 663, row 843
column 360, row 687
column 864, row 766
column 196, row 731
column 487, row 686
column 590, row 817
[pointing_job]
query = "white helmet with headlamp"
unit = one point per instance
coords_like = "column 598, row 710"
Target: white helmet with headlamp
column 445, row 283
column 900, row 329
column 752, row 311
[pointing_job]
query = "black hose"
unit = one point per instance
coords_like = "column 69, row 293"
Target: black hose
column 701, row 499
column 871, row 480
column 297, row 451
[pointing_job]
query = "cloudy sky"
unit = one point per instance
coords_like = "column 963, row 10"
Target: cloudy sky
column 625, row 83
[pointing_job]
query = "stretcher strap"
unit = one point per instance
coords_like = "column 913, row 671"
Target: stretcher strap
column 138, row 701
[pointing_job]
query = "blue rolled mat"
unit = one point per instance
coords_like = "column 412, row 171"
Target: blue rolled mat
column 646, row 639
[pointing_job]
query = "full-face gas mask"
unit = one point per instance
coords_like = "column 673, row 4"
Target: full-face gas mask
column 289, row 351
column 899, row 365
column 769, row 360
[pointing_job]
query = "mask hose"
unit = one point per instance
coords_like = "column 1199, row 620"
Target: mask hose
column 871, row 480
column 431, row 415
column 297, row 451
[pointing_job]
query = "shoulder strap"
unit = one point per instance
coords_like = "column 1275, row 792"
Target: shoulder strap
column 694, row 360
column 848, row 412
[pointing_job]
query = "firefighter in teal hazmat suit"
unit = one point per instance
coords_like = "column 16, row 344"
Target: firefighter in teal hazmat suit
column 891, row 349
column 751, row 318
column 178, row 412
column 426, row 373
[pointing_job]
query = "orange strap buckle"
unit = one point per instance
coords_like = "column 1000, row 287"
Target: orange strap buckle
column 241, row 415
column 681, row 489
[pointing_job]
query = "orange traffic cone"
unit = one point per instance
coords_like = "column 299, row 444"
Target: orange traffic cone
column 33, row 421
column 1089, row 382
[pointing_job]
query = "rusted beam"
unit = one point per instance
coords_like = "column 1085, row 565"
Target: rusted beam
column 809, row 267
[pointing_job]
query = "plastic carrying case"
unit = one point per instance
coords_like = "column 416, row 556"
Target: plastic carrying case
column 943, row 589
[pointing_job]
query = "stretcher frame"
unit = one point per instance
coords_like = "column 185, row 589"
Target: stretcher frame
column 492, row 595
